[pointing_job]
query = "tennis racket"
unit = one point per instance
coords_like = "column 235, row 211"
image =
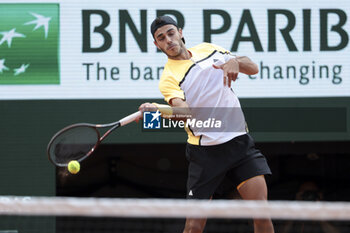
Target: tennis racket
column 79, row 141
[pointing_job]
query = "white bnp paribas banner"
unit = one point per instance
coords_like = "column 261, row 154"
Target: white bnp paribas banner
column 72, row 49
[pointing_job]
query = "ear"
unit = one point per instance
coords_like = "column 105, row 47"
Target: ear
column 180, row 31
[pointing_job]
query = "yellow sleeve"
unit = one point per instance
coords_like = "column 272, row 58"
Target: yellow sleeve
column 170, row 88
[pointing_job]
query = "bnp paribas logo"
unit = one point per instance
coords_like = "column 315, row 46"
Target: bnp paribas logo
column 29, row 44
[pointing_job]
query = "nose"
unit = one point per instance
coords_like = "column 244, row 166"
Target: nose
column 168, row 40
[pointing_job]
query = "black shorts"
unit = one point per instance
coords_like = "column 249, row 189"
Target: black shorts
column 210, row 167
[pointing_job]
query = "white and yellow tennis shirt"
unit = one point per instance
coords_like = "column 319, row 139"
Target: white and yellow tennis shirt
column 202, row 87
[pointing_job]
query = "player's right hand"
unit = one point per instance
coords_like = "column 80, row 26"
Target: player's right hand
column 230, row 70
column 146, row 107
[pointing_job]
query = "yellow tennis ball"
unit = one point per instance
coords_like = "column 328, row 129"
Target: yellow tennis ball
column 74, row 167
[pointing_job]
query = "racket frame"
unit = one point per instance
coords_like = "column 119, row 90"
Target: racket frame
column 113, row 125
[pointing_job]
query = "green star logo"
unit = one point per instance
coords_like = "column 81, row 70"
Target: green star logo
column 29, row 44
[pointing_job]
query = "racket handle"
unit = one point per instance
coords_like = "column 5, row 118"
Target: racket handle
column 132, row 117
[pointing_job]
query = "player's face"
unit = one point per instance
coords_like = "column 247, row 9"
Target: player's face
column 168, row 39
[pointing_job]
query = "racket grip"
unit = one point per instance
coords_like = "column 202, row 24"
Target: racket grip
column 132, row 117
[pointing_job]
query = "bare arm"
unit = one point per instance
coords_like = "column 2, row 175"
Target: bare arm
column 181, row 110
column 247, row 66
column 179, row 103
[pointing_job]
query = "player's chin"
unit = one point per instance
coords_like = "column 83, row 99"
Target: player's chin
column 172, row 52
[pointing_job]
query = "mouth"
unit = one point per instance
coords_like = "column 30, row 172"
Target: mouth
column 171, row 47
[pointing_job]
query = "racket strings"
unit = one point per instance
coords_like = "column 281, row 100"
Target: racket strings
column 73, row 144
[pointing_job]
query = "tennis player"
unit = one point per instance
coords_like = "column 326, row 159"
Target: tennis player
column 201, row 77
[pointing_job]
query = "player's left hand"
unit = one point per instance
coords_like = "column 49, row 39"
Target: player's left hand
column 230, row 69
